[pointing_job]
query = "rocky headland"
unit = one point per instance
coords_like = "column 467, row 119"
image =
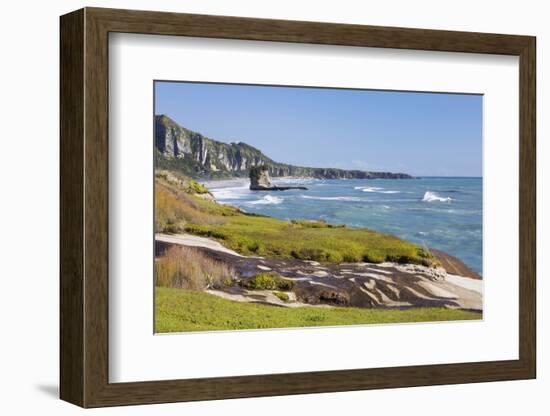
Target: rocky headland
column 193, row 154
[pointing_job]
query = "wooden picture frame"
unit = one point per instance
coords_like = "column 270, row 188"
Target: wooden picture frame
column 84, row 207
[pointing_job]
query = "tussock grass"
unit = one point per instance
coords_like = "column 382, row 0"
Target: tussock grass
column 181, row 310
column 187, row 268
column 174, row 210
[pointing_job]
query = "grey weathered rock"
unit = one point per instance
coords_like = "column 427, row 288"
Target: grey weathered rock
column 260, row 180
column 369, row 285
column 193, row 154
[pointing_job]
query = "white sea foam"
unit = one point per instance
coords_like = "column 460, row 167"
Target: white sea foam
column 230, row 193
column 433, row 197
column 368, row 188
column 375, row 189
column 267, row 200
column 333, row 198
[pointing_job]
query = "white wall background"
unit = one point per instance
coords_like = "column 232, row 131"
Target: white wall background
column 29, row 210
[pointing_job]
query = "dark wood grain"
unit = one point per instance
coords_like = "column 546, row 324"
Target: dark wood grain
column 527, row 208
column 71, row 99
column 84, row 207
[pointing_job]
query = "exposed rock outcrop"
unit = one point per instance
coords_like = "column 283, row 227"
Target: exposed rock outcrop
column 193, row 154
column 259, row 178
column 385, row 285
column 260, row 181
column 454, row 265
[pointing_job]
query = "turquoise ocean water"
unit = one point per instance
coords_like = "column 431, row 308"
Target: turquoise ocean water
column 441, row 212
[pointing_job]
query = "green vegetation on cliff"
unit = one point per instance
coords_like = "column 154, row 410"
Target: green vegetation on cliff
column 180, row 310
column 180, row 210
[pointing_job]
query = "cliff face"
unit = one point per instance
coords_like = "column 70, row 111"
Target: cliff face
column 183, row 150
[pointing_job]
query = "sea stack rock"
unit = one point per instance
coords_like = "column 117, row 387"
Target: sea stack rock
column 260, row 180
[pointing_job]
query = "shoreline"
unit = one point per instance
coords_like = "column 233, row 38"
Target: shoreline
column 254, row 258
column 217, row 187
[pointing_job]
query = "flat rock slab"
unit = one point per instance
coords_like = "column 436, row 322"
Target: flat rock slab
column 384, row 285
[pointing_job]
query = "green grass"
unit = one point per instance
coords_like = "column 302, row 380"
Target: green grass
column 316, row 224
column 258, row 235
column 271, row 237
column 179, row 310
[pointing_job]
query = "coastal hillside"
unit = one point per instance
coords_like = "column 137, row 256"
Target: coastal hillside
column 220, row 268
column 188, row 152
column 184, row 206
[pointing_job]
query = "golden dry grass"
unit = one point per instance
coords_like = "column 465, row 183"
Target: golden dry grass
column 173, row 210
column 187, row 268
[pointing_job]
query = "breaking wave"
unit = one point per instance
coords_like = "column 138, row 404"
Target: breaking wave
column 433, row 197
column 375, row 189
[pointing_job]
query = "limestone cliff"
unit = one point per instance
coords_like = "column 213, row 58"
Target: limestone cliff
column 191, row 153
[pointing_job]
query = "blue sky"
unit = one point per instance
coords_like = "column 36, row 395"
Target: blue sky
column 422, row 134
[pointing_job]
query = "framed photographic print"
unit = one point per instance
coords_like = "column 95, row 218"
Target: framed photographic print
column 255, row 207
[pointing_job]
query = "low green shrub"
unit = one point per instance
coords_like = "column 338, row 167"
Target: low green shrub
column 316, row 224
column 267, row 281
column 351, row 258
column 196, row 188
column 282, row 296
column 177, row 227
column 309, row 253
column 256, row 248
column 398, row 259
column 374, row 257
column 206, row 232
